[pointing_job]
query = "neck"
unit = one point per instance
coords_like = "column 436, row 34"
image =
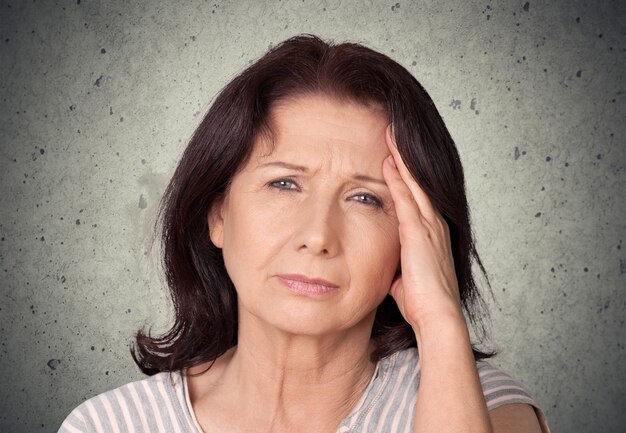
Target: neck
column 299, row 382
column 302, row 359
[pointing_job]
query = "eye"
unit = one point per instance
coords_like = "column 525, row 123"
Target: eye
column 284, row 184
column 369, row 199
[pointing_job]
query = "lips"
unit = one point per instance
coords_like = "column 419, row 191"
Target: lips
column 307, row 286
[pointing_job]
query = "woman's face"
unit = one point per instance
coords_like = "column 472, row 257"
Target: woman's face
column 313, row 207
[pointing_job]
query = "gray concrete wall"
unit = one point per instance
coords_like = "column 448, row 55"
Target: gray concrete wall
column 98, row 99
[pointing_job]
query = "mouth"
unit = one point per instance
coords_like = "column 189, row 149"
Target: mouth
column 307, row 286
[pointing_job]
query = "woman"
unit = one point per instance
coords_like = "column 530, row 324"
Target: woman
column 317, row 246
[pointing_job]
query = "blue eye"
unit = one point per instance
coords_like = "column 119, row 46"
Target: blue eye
column 369, row 199
column 285, row 184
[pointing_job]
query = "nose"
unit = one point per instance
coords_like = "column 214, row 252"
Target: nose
column 318, row 230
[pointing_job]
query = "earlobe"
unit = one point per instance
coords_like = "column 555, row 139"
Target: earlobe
column 215, row 223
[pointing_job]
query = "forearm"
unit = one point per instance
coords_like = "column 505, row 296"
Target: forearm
column 450, row 397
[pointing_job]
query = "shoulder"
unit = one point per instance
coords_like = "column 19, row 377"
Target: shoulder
column 499, row 387
column 154, row 404
column 505, row 393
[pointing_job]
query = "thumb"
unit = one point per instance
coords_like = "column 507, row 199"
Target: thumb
column 397, row 292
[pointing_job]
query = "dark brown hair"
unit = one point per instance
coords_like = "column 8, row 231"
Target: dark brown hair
column 203, row 296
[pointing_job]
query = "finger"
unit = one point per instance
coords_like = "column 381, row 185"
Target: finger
column 417, row 238
column 408, row 214
column 407, row 210
column 421, row 198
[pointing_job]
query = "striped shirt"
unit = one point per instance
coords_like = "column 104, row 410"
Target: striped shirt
column 160, row 403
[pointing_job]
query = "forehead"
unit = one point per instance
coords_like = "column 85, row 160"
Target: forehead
column 318, row 122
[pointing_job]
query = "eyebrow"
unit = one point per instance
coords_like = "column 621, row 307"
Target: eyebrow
column 300, row 168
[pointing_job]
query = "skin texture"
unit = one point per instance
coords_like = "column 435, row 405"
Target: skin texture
column 344, row 212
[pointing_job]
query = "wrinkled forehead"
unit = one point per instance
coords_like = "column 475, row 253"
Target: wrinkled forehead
column 315, row 120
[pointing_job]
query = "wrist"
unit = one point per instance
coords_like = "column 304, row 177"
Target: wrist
column 433, row 310
column 441, row 324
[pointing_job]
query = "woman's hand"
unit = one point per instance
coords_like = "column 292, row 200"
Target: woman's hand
column 450, row 396
column 427, row 290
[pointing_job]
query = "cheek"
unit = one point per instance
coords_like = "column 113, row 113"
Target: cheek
column 381, row 237
column 374, row 253
column 262, row 220
column 251, row 232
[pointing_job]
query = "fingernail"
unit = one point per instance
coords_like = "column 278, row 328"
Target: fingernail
column 391, row 161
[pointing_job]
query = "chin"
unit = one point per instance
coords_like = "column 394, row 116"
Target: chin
column 310, row 320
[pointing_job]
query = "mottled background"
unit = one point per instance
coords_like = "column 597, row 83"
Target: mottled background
column 98, row 99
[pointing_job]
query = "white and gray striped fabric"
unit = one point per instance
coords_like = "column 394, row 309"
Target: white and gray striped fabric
column 161, row 403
